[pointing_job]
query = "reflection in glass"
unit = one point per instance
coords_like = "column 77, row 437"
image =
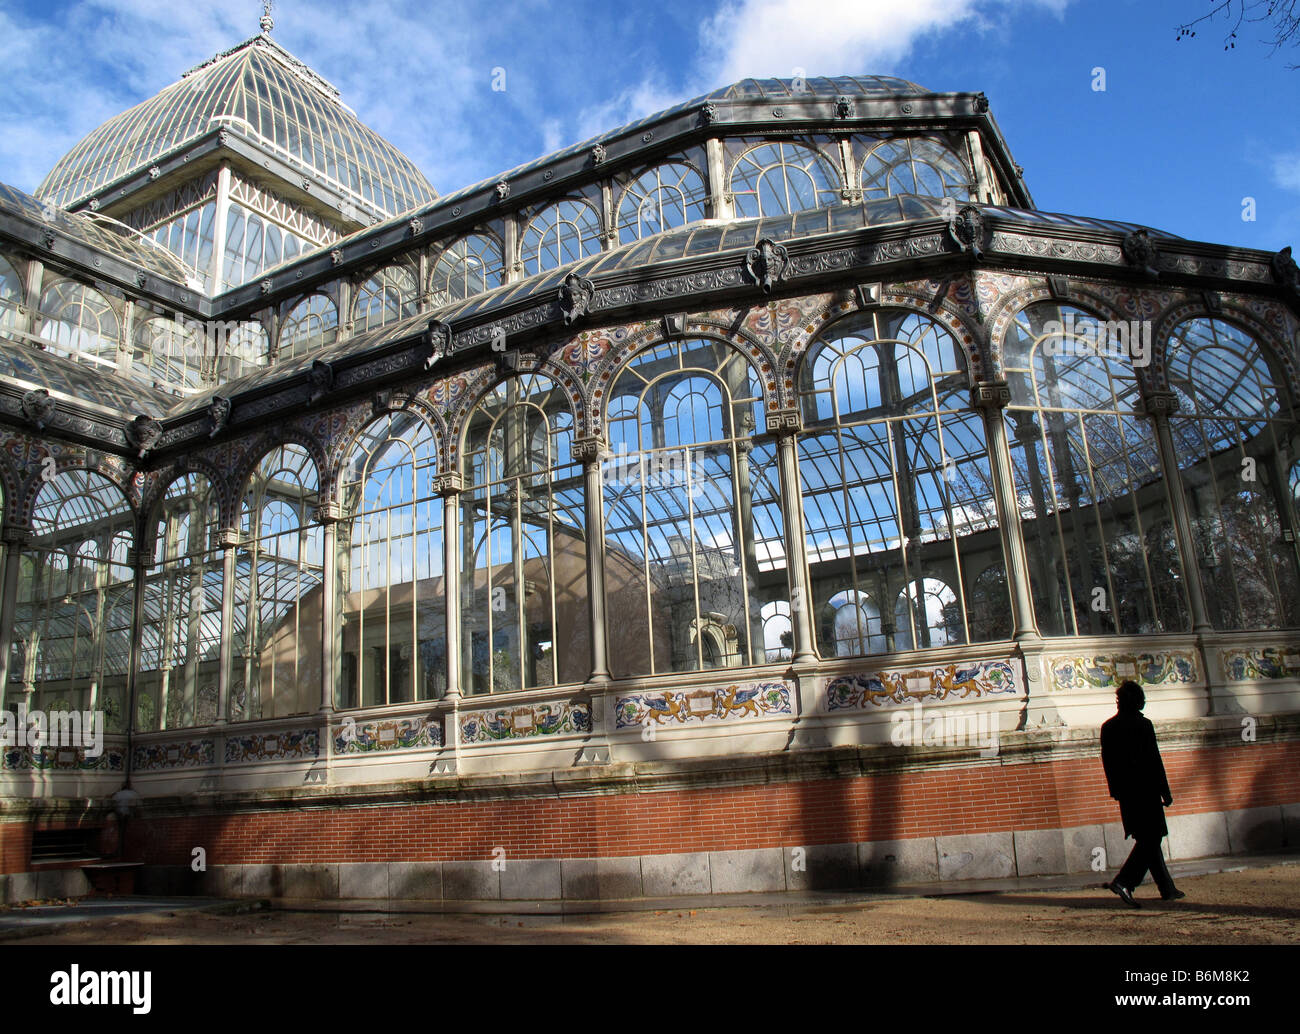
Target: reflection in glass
column 523, row 582
column 898, row 504
column 1228, row 436
column 390, row 543
column 278, row 576
column 695, row 555
column 1092, row 495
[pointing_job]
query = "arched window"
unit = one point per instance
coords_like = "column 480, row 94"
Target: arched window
column 1088, row 476
column 694, row 546
column 311, row 325
column 467, row 267
column 180, row 629
column 79, row 322
column 390, row 543
column 927, row 612
column 774, row 179
column 168, row 354
column 253, row 245
column 897, row 490
column 1228, row 432
column 523, row 584
column 560, row 234
column 386, row 297
column 72, row 622
column 240, row 349
column 915, row 165
column 661, row 198
column 278, row 590
column 855, row 626
column 11, row 293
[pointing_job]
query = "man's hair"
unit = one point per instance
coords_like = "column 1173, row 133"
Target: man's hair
column 1130, row 697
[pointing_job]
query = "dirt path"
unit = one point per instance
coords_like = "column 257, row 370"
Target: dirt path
column 1256, row 906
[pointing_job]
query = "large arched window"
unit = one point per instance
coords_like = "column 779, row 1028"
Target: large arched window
column 523, row 587
column 180, row 628
column 169, row 354
column 897, row 493
column 560, row 234
column 915, row 165
column 72, row 623
column 241, row 349
column 467, row 267
column 694, row 547
column 79, row 322
column 661, row 198
column 388, row 296
column 774, row 179
column 311, row 325
column 1093, row 500
column 278, row 578
column 393, row 600
column 1227, row 433
column 255, row 244
column 11, row 294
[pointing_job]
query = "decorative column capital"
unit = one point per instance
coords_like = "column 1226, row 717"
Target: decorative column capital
column 784, row 422
column 989, row 395
column 450, row 483
column 1160, row 405
column 589, row 448
column 17, row 537
column 138, row 558
column 329, row 513
column 228, row 538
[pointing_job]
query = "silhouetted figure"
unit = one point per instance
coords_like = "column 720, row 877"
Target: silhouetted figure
column 1136, row 777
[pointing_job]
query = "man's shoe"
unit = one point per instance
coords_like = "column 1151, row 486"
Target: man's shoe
column 1124, row 893
column 1173, row 895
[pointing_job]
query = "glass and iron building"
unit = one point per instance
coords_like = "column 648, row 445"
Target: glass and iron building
column 767, row 473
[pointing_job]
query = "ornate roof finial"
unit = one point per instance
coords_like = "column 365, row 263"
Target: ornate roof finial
column 267, row 22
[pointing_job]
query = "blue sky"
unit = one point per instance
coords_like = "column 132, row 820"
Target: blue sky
column 1182, row 134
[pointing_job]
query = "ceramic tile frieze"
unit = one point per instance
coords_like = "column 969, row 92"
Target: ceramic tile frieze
column 883, row 688
column 721, row 703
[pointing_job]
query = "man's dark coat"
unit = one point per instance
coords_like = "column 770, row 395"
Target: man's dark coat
column 1135, row 774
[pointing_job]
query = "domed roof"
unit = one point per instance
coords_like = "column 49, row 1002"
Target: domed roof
column 262, row 91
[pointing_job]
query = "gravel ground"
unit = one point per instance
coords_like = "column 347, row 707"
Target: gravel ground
column 1255, row 906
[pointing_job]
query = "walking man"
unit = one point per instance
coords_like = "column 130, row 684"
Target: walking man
column 1136, row 778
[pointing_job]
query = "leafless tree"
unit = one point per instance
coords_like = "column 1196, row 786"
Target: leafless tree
column 1282, row 18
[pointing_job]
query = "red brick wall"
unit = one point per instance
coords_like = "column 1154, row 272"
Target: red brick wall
column 990, row 798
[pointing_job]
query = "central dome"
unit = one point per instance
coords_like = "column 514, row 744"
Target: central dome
column 262, row 91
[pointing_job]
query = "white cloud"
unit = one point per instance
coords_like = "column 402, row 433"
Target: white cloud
column 772, row 38
column 1286, row 171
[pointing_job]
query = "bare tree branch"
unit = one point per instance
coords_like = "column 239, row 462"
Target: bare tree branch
column 1281, row 16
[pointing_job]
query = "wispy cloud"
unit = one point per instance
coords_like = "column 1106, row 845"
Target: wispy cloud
column 1286, row 171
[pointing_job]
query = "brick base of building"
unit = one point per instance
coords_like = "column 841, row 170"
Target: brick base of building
column 816, row 819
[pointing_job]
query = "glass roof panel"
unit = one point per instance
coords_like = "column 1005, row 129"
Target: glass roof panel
column 101, row 233
column 76, row 382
